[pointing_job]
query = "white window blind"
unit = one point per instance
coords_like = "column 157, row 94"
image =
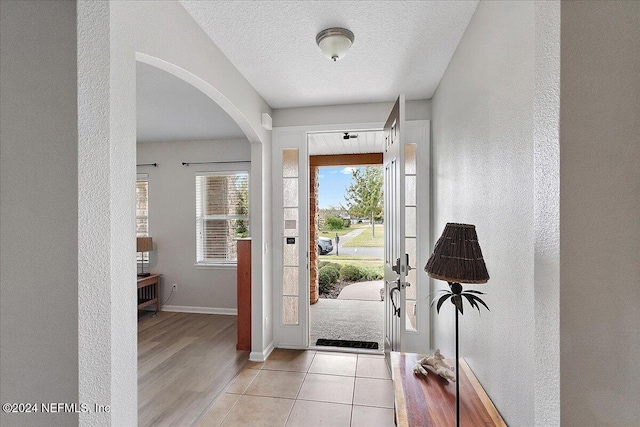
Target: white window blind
column 142, row 206
column 142, row 212
column 222, row 215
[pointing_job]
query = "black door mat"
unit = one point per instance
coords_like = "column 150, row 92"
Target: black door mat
column 370, row 345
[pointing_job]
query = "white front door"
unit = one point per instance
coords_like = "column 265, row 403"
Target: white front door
column 406, row 170
column 395, row 259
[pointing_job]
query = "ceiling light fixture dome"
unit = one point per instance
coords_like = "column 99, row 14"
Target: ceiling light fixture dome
column 335, row 42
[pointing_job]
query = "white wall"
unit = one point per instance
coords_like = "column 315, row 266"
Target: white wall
column 584, row 202
column 171, row 37
column 38, row 209
column 348, row 113
column 107, row 350
column 600, row 214
column 172, row 41
column 111, row 39
column 172, row 219
column 69, row 323
column 546, row 210
column 482, row 172
column 262, row 343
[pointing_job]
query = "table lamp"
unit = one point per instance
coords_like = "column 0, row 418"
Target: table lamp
column 456, row 259
column 144, row 244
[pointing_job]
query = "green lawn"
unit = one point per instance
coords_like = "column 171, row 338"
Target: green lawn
column 351, row 259
column 332, row 233
column 366, row 239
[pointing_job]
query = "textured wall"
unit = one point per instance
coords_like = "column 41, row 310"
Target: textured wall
column 600, row 213
column 38, row 219
column 170, row 35
column 547, row 213
column 172, row 219
column 106, row 200
column 173, row 41
column 482, row 171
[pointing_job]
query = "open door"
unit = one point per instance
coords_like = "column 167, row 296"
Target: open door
column 405, row 164
column 395, row 260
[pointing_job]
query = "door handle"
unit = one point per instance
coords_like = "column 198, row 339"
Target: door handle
column 396, row 309
column 409, row 268
column 396, row 268
column 396, row 282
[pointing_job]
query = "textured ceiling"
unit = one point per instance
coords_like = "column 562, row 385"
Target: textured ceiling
column 169, row 109
column 334, row 143
column 400, row 47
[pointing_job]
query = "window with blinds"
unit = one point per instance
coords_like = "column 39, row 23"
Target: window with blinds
column 222, row 215
column 142, row 212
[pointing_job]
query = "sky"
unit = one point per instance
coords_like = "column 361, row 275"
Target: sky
column 333, row 183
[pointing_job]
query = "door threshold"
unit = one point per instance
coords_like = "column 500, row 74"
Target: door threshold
column 351, row 350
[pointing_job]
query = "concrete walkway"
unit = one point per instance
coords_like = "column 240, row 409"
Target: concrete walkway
column 363, row 291
column 347, row 320
column 374, row 252
column 350, row 235
column 357, row 314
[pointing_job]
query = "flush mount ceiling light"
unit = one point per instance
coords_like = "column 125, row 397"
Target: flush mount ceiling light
column 335, row 42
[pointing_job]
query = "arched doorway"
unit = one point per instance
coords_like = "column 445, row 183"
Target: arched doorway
column 110, row 39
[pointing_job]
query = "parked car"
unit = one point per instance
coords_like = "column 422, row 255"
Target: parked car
column 325, row 245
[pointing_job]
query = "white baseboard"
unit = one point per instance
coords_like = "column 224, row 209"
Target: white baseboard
column 200, row 310
column 261, row 356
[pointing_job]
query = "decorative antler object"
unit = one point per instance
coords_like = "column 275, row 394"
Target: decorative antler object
column 456, row 259
column 437, row 363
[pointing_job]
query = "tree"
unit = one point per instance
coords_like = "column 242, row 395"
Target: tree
column 332, row 211
column 334, row 223
column 324, row 215
column 242, row 208
column 364, row 196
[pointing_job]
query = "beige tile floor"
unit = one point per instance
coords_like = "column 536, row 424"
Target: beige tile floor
column 307, row 389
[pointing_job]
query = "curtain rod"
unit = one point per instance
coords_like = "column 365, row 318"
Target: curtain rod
column 211, row 163
column 155, row 165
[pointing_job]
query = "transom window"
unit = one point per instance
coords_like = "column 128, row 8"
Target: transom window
column 222, row 215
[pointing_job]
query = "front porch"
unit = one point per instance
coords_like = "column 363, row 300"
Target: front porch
column 357, row 314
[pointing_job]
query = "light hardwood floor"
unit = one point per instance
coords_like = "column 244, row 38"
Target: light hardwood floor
column 184, row 361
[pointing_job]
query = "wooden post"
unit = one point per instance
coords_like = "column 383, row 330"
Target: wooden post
column 244, row 294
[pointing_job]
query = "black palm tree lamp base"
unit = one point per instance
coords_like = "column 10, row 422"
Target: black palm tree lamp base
column 457, row 258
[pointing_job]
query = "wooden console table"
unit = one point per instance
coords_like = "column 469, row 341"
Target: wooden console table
column 149, row 291
column 431, row 401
